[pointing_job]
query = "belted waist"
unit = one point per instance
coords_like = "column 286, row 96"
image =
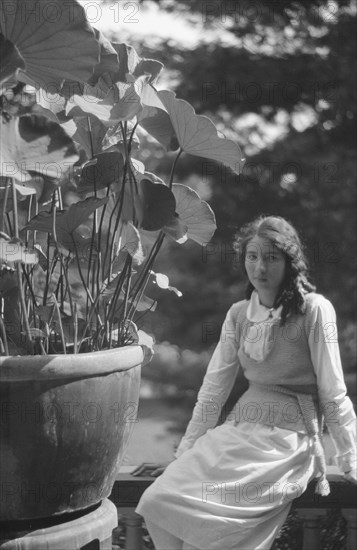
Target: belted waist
column 305, row 397
column 309, row 417
column 267, row 405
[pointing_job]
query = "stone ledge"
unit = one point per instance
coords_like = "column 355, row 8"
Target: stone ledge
column 128, row 489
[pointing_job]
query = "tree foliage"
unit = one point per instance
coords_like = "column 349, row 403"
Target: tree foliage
column 277, row 77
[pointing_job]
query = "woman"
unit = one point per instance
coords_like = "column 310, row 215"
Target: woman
column 231, row 486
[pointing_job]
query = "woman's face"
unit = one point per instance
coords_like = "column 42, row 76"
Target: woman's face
column 265, row 265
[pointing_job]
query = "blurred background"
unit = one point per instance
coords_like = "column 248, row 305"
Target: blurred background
column 279, row 78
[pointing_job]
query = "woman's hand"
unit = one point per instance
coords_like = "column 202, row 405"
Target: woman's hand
column 351, row 476
column 150, row 469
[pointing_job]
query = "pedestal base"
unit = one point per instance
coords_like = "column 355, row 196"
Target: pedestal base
column 90, row 531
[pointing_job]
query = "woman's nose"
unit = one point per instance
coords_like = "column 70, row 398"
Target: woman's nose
column 261, row 265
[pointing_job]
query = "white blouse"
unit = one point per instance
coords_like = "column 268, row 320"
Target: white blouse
column 262, row 317
column 325, row 356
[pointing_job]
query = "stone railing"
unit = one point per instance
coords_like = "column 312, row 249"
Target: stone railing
column 310, row 507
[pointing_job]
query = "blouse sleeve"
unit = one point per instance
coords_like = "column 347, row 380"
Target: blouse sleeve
column 338, row 410
column 217, row 384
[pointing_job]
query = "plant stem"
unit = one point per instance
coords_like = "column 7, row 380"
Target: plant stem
column 83, row 280
column 142, row 282
column 29, row 343
column 92, row 269
column 3, row 209
column 132, row 136
column 171, row 180
column 101, row 265
column 109, row 245
column 127, row 291
column 90, row 137
column 47, row 283
column 23, row 308
column 14, row 212
column 120, row 201
column 63, row 267
column 114, row 300
column 143, row 274
column 90, row 317
column 75, row 326
column 29, row 285
column 155, row 249
column 63, row 340
column 3, row 336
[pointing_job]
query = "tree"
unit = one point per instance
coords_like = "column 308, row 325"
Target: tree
column 279, row 78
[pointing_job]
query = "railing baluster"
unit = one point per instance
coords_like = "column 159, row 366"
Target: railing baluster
column 310, row 507
column 311, row 527
column 350, row 515
column 133, row 539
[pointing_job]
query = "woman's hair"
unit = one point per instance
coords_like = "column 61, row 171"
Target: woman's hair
column 283, row 235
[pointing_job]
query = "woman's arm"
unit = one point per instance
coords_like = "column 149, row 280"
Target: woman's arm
column 217, row 384
column 337, row 407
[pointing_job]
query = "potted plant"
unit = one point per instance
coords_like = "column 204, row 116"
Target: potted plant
column 81, row 223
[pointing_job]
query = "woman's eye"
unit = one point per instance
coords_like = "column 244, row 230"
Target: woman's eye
column 251, row 257
column 273, row 257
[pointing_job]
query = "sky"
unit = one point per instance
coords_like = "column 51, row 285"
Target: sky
column 128, row 21
column 138, row 22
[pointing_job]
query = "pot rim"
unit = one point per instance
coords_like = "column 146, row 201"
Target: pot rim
column 22, row 368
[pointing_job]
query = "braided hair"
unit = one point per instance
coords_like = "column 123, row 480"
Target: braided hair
column 283, row 235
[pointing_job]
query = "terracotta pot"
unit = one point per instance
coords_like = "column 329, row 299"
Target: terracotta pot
column 64, row 427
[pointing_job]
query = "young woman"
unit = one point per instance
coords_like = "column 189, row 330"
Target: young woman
column 231, row 486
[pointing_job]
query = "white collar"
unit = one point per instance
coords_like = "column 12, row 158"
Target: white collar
column 257, row 313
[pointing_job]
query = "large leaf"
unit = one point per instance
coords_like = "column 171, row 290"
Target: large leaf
column 130, row 242
column 11, row 61
column 88, row 131
column 51, row 105
column 108, row 62
column 195, row 213
column 198, row 135
column 131, row 64
column 53, row 38
column 176, row 229
column 155, row 119
column 114, row 138
column 107, row 169
column 33, row 186
column 125, row 206
column 159, row 205
column 78, row 291
column 79, row 212
column 151, row 98
column 146, row 303
column 67, row 221
column 158, row 124
column 110, row 102
column 35, row 144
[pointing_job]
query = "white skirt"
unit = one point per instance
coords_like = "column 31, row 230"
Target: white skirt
column 233, row 489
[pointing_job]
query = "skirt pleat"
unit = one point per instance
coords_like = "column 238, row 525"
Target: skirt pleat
column 233, row 489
